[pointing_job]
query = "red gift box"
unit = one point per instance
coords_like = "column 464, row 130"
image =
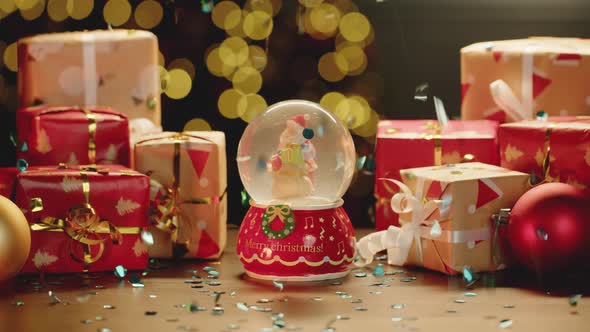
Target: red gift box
column 7, row 180
column 84, row 218
column 403, row 144
column 554, row 150
column 73, row 135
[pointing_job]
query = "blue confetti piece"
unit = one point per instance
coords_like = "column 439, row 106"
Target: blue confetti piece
column 24, row 147
column 379, row 271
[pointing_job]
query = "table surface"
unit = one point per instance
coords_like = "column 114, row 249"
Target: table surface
column 430, row 302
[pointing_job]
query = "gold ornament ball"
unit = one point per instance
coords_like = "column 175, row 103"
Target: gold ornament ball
column 15, row 239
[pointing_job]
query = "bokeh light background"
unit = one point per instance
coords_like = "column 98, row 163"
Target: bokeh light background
column 224, row 61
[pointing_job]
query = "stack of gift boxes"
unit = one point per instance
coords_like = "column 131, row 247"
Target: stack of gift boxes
column 99, row 182
column 101, row 185
column 524, row 121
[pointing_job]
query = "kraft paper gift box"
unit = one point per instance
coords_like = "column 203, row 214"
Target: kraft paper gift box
column 115, row 68
column 445, row 213
column 553, row 150
column 188, row 201
column 416, row 143
column 72, row 135
column 511, row 80
column 84, row 218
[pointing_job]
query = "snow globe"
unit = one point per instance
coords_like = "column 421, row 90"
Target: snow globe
column 296, row 160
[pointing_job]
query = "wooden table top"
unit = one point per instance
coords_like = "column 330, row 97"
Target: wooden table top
column 431, row 302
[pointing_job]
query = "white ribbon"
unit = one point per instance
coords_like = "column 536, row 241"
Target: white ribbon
column 398, row 240
column 89, row 75
column 506, row 99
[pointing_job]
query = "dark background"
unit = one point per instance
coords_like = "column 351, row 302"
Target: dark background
column 415, row 41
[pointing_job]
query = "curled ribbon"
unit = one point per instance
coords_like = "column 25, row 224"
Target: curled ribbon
column 398, row 240
column 505, row 97
column 83, row 225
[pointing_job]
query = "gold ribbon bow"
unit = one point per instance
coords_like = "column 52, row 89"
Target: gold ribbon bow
column 281, row 211
column 83, row 225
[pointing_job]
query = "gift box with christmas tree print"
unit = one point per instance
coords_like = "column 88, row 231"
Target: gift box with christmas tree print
column 188, row 183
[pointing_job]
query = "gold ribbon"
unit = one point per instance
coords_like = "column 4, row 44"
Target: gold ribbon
column 436, row 127
column 83, row 225
column 91, row 136
column 547, row 157
column 168, row 204
column 281, row 212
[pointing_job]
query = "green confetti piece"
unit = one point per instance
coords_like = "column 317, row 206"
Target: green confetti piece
column 470, row 294
column 19, row 303
column 398, row 306
column 573, row 300
column 360, row 162
column 120, row 271
column 24, row 147
column 134, row 279
column 13, row 139
column 245, row 198
column 542, row 116
column 370, row 163
column 22, row 165
column 360, row 275
column 468, row 276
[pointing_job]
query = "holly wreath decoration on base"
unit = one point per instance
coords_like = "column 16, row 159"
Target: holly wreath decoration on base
column 284, row 214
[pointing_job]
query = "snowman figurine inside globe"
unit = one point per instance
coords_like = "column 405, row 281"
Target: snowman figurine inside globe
column 296, row 160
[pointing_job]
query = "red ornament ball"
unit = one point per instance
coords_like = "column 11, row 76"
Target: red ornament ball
column 549, row 228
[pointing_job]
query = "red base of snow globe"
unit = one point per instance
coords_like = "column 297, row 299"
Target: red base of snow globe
column 302, row 244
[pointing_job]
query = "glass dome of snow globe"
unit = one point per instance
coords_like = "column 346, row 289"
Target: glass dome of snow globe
column 297, row 153
column 296, row 160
